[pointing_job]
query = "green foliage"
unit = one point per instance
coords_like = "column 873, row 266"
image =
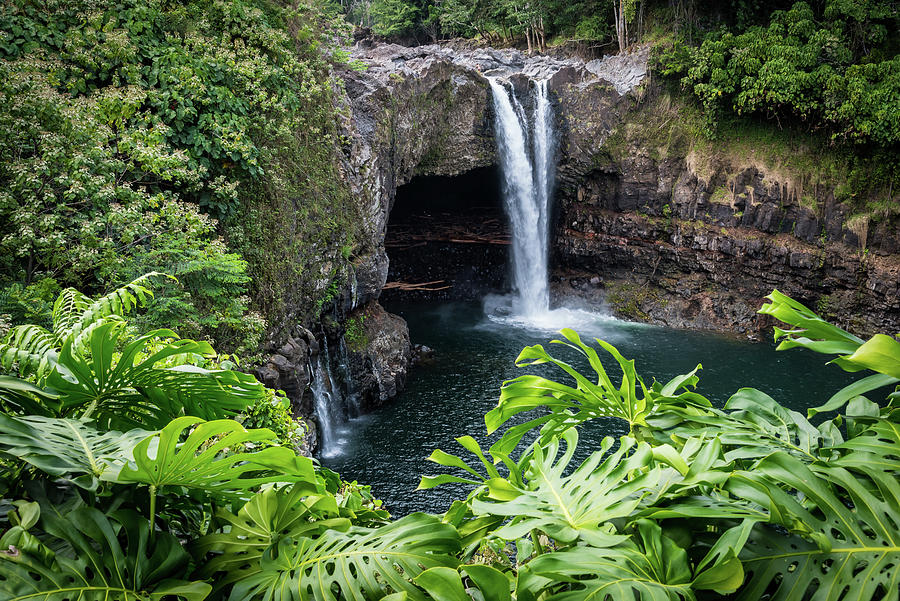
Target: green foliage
column 355, row 332
column 880, row 353
column 840, row 73
column 95, row 369
column 106, row 556
column 358, row 564
column 265, row 519
column 126, row 127
column 393, row 17
column 68, row 448
column 752, row 499
column 630, row 401
column 749, row 501
column 273, row 412
column 188, row 453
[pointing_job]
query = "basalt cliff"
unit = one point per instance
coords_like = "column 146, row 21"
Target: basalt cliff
column 649, row 223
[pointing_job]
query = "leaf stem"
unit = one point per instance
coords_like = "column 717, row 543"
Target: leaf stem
column 538, row 547
column 152, row 507
column 90, row 410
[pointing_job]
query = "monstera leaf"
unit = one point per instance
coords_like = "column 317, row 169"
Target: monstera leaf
column 652, row 567
column 68, row 448
column 846, row 537
column 23, row 397
column 212, row 458
column 880, row 353
column 359, row 565
column 577, row 506
column 630, row 400
column 867, row 450
column 104, row 557
column 263, row 521
column 129, row 390
column 751, row 426
column 446, row 584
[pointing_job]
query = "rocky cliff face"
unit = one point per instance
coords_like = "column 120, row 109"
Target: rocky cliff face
column 647, row 225
column 686, row 235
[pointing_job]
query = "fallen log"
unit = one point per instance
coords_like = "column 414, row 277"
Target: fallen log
column 419, row 287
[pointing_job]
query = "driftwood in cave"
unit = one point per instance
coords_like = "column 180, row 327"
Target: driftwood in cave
column 422, row 286
column 445, row 227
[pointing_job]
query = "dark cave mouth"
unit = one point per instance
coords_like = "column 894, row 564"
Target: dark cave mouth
column 448, row 238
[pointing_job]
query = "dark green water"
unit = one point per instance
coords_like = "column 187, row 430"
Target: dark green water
column 474, row 355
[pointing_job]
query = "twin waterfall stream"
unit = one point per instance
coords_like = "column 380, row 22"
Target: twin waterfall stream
column 526, row 146
column 527, row 163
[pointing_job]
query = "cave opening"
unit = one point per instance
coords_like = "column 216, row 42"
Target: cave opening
column 448, row 238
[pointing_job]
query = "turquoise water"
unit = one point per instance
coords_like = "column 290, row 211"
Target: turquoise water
column 474, row 355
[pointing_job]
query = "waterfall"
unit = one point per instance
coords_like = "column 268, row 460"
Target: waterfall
column 527, row 152
column 328, row 402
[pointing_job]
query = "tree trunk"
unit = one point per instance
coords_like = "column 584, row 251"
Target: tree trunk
column 640, row 33
column 619, row 17
column 543, row 35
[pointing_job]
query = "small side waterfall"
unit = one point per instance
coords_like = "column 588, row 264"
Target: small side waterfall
column 328, row 403
column 527, row 160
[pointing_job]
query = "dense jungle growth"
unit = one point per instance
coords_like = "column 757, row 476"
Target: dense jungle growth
column 187, row 157
column 192, row 138
column 127, row 473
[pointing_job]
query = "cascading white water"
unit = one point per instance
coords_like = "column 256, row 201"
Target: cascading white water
column 327, row 401
column 527, row 163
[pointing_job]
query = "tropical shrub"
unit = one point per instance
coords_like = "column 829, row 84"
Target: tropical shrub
column 194, row 138
column 835, row 70
column 90, row 366
column 750, row 501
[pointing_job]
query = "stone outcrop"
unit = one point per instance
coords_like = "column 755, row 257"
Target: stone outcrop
column 697, row 238
column 378, row 357
column 647, row 225
column 288, row 369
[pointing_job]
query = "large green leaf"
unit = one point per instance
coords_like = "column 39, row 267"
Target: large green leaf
column 70, row 448
column 446, row 584
column 263, row 521
column 573, row 507
column 630, row 400
column 880, row 353
column 212, row 458
column 362, row 564
column 103, row 558
column 751, row 426
column 811, row 331
column 652, row 567
column 23, row 397
column 129, row 390
column 846, row 542
column 876, row 447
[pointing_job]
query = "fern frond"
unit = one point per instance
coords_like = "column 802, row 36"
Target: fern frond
column 67, row 310
column 30, row 349
column 117, row 303
column 80, row 340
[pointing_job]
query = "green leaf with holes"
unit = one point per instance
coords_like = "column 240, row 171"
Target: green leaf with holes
column 359, row 565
